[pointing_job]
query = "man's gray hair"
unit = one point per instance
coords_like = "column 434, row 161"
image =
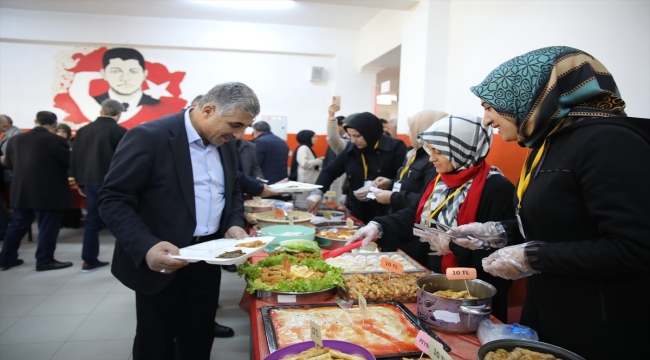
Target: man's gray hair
column 11, row 122
column 262, row 126
column 230, row 96
column 112, row 107
column 196, row 100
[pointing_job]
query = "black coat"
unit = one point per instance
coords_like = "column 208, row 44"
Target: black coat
column 148, row 197
column 382, row 161
column 247, row 151
column 272, row 155
column 94, row 146
column 495, row 205
column 40, row 161
column 589, row 204
column 418, row 175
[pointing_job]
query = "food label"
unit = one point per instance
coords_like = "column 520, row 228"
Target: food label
column 461, row 273
column 349, row 223
column 278, row 213
column 327, row 215
column 447, row 316
column 362, row 305
column 315, row 333
column 330, row 194
column 392, row 266
column 331, row 204
column 429, row 346
column 286, row 298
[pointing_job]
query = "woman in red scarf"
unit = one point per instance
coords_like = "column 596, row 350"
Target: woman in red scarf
column 467, row 190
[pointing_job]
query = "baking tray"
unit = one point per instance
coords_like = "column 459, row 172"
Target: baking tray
column 418, row 267
column 344, row 293
column 295, row 297
column 419, row 324
column 209, row 250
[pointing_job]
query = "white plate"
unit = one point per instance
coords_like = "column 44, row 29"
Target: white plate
column 294, row 186
column 209, row 250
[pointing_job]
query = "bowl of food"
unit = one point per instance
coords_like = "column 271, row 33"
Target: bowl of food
column 287, row 232
column 336, row 349
column 259, row 205
column 518, row 348
column 268, row 218
column 333, row 237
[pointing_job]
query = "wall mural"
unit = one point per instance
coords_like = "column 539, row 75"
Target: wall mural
column 147, row 89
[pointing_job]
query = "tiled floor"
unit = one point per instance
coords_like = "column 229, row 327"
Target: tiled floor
column 66, row 315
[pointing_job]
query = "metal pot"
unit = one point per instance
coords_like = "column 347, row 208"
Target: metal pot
column 454, row 316
column 511, row 344
column 331, row 244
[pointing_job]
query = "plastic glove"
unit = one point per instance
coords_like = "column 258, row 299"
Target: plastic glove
column 343, row 199
column 366, row 234
column 313, row 202
column 382, row 183
column 480, row 236
column 438, row 243
column 509, row 263
column 362, row 193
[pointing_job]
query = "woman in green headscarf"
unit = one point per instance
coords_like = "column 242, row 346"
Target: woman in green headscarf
column 585, row 224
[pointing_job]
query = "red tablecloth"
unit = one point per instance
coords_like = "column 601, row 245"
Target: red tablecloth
column 463, row 347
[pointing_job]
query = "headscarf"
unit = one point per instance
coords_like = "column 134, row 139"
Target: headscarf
column 369, row 126
column 304, row 138
column 66, row 128
column 538, row 89
column 418, row 123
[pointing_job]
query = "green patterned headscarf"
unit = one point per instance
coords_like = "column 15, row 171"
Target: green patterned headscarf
column 538, row 89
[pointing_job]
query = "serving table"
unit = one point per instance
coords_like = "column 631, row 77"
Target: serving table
column 463, row 347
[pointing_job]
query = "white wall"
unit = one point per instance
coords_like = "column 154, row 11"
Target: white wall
column 484, row 34
column 381, row 34
column 274, row 60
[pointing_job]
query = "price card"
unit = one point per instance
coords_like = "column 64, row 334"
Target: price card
column 461, row 273
column 278, row 213
column 392, row 266
column 331, row 204
column 350, row 223
column 362, row 305
column 330, row 194
column 315, row 333
column 431, row 347
column 327, row 215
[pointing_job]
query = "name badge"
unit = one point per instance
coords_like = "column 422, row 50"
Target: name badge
column 397, row 187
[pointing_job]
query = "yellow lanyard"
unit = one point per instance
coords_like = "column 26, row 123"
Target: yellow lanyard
column 437, row 210
column 524, row 180
column 365, row 167
column 406, row 168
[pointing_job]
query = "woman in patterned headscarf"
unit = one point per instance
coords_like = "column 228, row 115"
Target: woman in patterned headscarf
column 587, row 225
column 466, row 190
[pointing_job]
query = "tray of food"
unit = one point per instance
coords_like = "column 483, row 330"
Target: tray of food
column 259, row 205
column 507, row 349
column 268, row 218
column 333, row 237
column 308, row 280
column 370, row 262
column 332, row 349
column 294, row 186
column 223, row 251
column 382, row 287
column 378, row 332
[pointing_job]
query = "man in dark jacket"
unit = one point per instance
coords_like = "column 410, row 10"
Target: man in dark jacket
column 39, row 160
column 272, row 152
column 91, row 157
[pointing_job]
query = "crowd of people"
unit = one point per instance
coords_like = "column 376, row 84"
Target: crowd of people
column 573, row 224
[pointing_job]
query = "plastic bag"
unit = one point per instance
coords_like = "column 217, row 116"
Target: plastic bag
column 488, row 331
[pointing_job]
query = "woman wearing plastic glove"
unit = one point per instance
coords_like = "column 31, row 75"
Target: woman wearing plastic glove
column 467, row 190
column 368, row 155
column 587, row 225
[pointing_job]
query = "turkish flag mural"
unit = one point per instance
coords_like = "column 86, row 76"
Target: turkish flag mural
column 147, row 90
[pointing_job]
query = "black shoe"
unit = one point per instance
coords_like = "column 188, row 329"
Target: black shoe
column 221, row 331
column 8, row 265
column 230, row 268
column 86, row 267
column 54, row 265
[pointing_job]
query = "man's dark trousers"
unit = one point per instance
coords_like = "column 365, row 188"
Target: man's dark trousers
column 49, row 224
column 93, row 226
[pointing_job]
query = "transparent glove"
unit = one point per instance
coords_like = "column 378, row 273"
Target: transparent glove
column 438, row 243
column 509, row 263
column 362, row 193
column 313, row 202
column 480, row 235
column 366, row 234
column 343, row 200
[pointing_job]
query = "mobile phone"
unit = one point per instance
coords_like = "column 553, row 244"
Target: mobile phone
column 336, row 100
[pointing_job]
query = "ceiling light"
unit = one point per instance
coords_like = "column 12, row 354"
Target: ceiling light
column 250, row 4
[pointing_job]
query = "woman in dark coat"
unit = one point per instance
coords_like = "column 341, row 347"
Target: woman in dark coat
column 588, row 227
column 368, row 155
column 466, row 190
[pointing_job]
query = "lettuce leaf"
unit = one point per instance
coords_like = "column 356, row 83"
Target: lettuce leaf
column 252, row 271
column 299, row 245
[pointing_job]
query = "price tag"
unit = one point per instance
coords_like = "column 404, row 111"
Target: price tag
column 278, row 213
column 257, row 198
column 315, row 333
column 330, row 194
column 327, row 215
column 331, row 204
column 362, row 305
column 286, row 265
column 349, row 223
column 392, row 266
column 431, row 347
column 461, row 273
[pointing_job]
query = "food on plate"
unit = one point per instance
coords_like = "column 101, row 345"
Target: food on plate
column 451, row 294
column 337, row 234
column 259, row 203
column 385, row 329
column 251, row 218
column 363, row 263
column 322, row 354
column 299, row 249
column 305, row 276
column 251, row 244
column 231, row 254
column 383, row 287
column 518, row 354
